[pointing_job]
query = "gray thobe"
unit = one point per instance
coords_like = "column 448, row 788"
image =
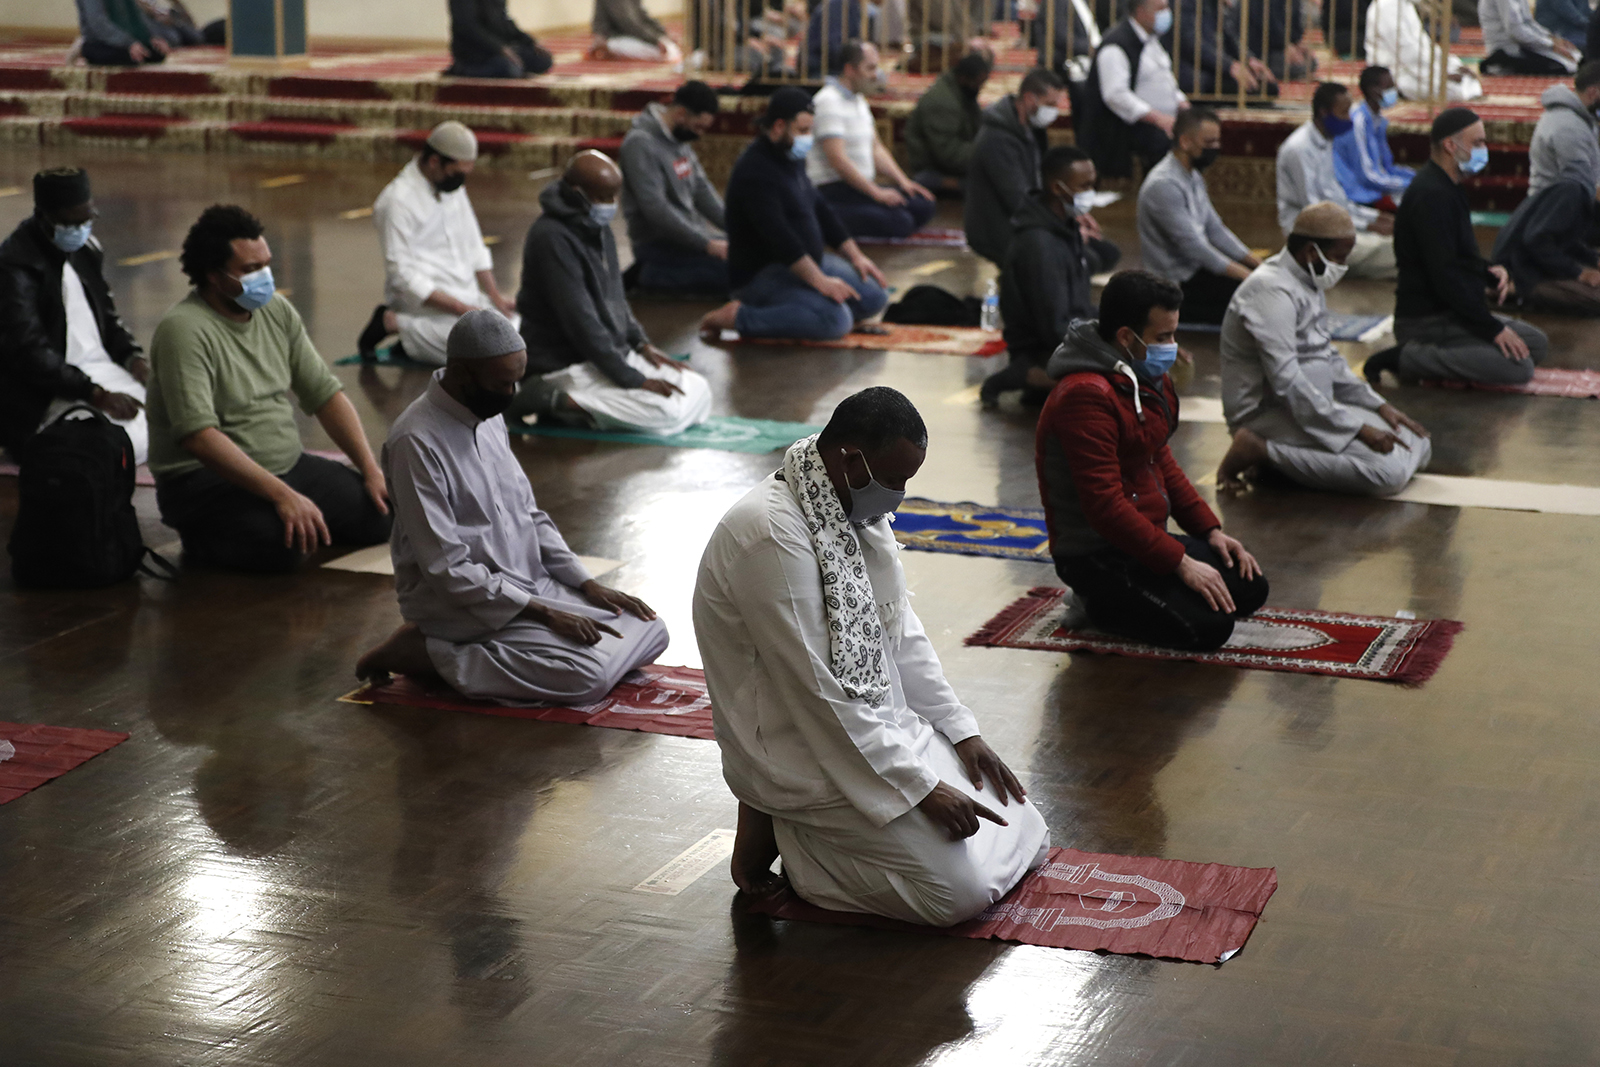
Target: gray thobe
column 1283, row 379
column 472, row 550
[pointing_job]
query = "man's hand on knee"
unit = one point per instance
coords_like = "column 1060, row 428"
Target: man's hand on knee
column 982, row 762
column 955, row 811
column 1204, row 579
column 1511, row 344
column 303, row 525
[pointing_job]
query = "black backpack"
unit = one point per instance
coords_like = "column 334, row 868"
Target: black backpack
column 929, row 305
column 76, row 527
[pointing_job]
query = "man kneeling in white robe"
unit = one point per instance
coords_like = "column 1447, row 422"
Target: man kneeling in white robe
column 495, row 602
column 591, row 361
column 851, row 756
column 436, row 266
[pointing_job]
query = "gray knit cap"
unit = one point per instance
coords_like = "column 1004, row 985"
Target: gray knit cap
column 483, row 333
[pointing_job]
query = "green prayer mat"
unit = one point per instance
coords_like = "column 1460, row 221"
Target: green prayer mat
column 1490, row 218
column 727, row 433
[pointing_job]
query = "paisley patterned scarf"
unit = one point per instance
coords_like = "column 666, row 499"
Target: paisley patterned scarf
column 863, row 589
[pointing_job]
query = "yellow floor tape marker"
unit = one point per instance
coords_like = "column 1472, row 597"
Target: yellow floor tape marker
column 11, row 190
column 964, row 398
column 281, row 180
column 356, row 213
column 931, row 268
column 148, row 257
column 491, row 239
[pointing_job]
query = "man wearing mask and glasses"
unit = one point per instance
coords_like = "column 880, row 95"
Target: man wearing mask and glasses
column 436, row 266
column 1290, row 399
column 231, row 476
column 590, row 363
column 496, row 605
column 1110, row 482
column 1182, row 237
column 850, row 754
column 63, row 342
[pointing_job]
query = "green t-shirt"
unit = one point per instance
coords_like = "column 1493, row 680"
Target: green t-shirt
column 206, row 370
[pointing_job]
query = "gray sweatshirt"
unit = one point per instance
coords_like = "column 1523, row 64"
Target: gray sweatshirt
column 1566, row 134
column 571, row 301
column 666, row 196
column 1179, row 228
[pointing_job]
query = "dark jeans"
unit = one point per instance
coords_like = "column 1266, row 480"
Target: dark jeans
column 226, row 526
column 671, row 268
column 98, row 54
column 1529, row 64
column 1129, row 600
column 776, row 303
column 1148, row 143
column 1206, row 296
column 535, row 60
column 865, row 217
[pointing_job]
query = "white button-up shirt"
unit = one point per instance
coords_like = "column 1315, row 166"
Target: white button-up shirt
column 1157, row 89
column 431, row 242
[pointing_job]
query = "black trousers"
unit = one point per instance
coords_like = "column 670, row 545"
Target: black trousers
column 1206, row 297
column 1149, row 144
column 1528, row 64
column 1130, row 600
column 97, row 54
column 226, row 526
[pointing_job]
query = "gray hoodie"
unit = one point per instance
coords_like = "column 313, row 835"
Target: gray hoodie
column 666, row 196
column 1566, row 134
column 571, row 301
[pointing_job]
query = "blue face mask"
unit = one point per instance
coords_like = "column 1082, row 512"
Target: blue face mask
column 1163, row 21
column 802, row 145
column 71, row 238
column 603, row 213
column 1476, row 161
column 258, row 289
column 1390, row 97
column 1158, row 359
column 1333, row 125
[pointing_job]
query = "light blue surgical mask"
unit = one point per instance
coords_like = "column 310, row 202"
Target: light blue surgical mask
column 1158, row 360
column 1163, row 21
column 603, row 213
column 1390, row 97
column 872, row 501
column 258, row 289
column 802, row 145
column 71, row 238
column 1476, row 161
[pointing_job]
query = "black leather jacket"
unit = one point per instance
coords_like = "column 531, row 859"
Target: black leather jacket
column 33, row 327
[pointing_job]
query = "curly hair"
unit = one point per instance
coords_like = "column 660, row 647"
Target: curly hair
column 209, row 244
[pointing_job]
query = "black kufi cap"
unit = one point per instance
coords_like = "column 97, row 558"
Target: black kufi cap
column 60, row 187
column 785, row 104
column 1451, row 121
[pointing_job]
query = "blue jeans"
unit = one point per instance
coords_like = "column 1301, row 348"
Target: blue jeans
column 674, row 269
column 865, row 217
column 776, row 303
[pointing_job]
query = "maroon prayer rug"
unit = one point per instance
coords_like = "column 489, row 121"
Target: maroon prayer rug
column 1130, row 905
column 1374, row 647
column 1547, row 381
column 45, row 752
column 936, row 340
column 927, row 237
column 652, row 700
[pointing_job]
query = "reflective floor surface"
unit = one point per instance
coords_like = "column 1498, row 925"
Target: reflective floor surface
column 264, row 876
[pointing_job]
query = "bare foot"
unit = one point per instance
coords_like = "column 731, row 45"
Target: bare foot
column 1247, row 452
column 725, row 317
column 755, row 846
column 391, row 321
column 405, row 652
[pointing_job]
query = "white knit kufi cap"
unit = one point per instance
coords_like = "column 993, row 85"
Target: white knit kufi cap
column 453, row 139
column 483, row 333
column 1325, row 221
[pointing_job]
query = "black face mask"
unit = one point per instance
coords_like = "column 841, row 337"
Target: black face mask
column 451, row 183
column 684, row 134
column 970, row 91
column 485, row 403
column 1206, row 157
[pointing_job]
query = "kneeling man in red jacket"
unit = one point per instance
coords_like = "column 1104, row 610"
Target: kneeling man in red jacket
column 1110, row 483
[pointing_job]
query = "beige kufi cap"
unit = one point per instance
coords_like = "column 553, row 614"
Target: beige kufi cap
column 1324, row 220
column 454, row 140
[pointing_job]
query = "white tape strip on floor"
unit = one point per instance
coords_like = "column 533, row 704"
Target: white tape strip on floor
column 376, row 560
column 686, row 868
column 1200, row 409
column 1449, row 491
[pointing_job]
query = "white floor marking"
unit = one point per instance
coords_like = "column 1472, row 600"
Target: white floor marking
column 376, row 560
column 686, row 868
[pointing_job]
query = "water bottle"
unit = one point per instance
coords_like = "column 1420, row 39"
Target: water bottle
column 989, row 318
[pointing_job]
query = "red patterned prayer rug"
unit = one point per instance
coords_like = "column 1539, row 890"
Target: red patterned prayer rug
column 1547, row 381
column 40, row 753
column 1374, row 647
column 927, row 237
column 1203, row 912
column 652, row 700
column 938, row 340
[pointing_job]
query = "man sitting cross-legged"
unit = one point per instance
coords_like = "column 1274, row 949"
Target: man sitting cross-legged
column 231, row 476
column 495, row 602
column 1290, row 398
column 590, row 359
column 851, row 756
column 1110, row 482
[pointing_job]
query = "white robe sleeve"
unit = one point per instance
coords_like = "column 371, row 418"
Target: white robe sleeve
column 477, row 252
column 927, row 691
column 396, row 223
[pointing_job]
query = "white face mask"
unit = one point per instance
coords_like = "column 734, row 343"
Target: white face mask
column 1083, row 202
column 1045, row 117
column 1331, row 272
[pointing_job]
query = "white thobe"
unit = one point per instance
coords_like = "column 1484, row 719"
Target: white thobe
column 1283, row 379
column 842, row 779
column 86, row 350
column 431, row 243
column 472, row 550
column 618, row 409
column 1395, row 39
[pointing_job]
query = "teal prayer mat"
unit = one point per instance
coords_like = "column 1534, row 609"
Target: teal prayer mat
column 973, row 530
column 726, row 433
column 1490, row 218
